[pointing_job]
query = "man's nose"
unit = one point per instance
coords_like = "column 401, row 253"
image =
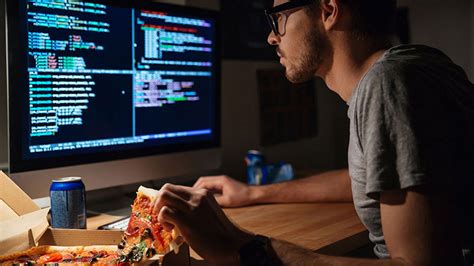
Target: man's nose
column 273, row 39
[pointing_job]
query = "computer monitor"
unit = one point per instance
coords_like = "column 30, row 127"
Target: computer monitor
column 116, row 92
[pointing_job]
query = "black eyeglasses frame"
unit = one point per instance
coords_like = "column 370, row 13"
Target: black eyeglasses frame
column 273, row 21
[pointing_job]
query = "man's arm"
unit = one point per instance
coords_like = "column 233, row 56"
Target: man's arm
column 332, row 186
column 416, row 229
column 411, row 220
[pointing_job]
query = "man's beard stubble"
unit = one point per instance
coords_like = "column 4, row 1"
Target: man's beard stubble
column 310, row 58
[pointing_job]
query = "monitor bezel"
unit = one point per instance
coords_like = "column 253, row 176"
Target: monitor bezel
column 16, row 62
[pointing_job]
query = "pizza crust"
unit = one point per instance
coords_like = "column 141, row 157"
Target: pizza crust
column 43, row 250
column 149, row 192
column 30, row 252
column 107, row 248
column 70, row 249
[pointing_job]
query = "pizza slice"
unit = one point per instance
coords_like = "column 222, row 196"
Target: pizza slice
column 145, row 237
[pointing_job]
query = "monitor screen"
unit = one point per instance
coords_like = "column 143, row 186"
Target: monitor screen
column 93, row 81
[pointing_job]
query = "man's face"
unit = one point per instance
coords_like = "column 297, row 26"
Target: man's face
column 302, row 47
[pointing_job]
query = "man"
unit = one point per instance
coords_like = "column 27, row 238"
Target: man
column 411, row 150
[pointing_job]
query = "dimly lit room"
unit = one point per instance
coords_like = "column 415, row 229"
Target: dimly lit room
column 249, row 132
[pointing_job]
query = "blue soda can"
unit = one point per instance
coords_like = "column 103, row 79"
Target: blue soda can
column 254, row 157
column 255, row 161
column 68, row 203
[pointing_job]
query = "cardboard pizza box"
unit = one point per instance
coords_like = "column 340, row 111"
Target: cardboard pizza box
column 23, row 225
column 22, row 222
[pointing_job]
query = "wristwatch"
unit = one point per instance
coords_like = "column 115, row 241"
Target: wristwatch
column 255, row 252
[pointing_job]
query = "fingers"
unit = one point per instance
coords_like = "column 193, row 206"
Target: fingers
column 178, row 197
column 206, row 180
column 168, row 218
column 182, row 191
column 212, row 183
column 170, row 199
column 171, row 204
column 216, row 185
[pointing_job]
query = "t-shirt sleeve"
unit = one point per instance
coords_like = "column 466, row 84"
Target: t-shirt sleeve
column 388, row 137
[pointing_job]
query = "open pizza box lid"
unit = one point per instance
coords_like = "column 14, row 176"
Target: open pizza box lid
column 22, row 222
column 23, row 225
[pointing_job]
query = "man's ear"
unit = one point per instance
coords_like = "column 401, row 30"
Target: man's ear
column 330, row 13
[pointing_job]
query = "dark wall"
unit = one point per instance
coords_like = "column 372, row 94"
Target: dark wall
column 3, row 96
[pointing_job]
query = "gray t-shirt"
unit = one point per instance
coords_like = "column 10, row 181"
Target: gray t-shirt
column 411, row 124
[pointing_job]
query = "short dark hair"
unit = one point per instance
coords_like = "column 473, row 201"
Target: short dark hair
column 375, row 18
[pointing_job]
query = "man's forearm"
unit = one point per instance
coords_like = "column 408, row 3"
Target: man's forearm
column 290, row 254
column 332, row 186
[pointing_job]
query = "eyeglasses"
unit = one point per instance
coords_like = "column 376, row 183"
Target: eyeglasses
column 278, row 15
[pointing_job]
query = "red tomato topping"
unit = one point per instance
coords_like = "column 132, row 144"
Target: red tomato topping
column 53, row 257
column 138, row 225
column 131, row 229
column 67, row 256
column 154, row 218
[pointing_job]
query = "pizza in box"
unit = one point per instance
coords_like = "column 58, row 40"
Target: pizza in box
column 44, row 255
column 143, row 240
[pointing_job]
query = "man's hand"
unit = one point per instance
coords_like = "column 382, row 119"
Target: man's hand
column 228, row 191
column 202, row 223
column 332, row 186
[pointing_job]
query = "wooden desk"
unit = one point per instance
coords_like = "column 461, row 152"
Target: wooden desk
column 331, row 228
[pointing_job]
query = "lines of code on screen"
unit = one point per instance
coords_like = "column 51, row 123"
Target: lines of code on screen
column 103, row 76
